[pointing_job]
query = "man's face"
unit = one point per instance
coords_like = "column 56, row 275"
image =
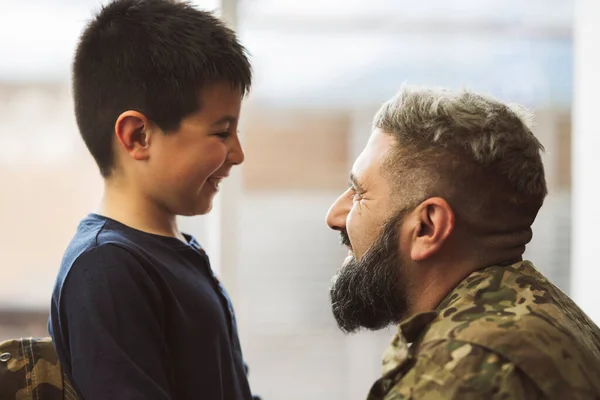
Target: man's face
column 362, row 210
column 370, row 288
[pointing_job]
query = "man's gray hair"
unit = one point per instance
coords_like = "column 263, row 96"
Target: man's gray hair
column 465, row 139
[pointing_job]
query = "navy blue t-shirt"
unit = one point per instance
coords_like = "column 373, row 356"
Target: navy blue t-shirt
column 142, row 316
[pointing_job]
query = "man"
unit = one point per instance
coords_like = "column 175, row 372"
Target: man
column 137, row 312
column 29, row 370
column 437, row 216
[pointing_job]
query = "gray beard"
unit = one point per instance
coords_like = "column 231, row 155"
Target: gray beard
column 371, row 293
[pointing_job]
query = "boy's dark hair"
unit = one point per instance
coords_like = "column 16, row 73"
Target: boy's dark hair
column 152, row 56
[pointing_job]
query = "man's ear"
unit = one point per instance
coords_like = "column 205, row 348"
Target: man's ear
column 132, row 129
column 435, row 223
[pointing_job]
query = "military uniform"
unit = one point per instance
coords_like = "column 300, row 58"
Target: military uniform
column 29, row 370
column 505, row 332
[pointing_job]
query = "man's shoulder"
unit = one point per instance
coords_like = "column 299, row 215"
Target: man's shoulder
column 516, row 313
column 466, row 369
column 459, row 370
column 513, row 302
column 30, row 367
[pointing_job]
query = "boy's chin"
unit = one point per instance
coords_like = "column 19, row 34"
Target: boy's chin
column 193, row 210
column 204, row 206
column 200, row 205
column 206, row 209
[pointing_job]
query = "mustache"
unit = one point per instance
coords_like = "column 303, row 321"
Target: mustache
column 344, row 239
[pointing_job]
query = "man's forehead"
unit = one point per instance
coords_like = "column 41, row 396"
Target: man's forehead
column 374, row 153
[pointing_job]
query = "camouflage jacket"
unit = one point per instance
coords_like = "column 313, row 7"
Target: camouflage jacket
column 29, row 370
column 502, row 333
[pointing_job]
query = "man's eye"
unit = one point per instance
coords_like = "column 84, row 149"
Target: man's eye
column 355, row 194
column 222, row 135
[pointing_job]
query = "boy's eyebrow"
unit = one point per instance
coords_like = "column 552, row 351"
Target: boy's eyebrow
column 226, row 119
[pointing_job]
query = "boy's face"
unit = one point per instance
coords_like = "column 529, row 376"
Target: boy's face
column 185, row 167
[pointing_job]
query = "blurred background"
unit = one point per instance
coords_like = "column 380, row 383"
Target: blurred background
column 322, row 68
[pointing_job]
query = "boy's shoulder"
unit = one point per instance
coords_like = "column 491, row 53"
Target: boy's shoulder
column 103, row 251
column 96, row 233
column 99, row 239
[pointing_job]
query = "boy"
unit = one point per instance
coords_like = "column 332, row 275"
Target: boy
column 136, row 310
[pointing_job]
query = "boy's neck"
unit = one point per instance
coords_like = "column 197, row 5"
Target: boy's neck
column 130, row 208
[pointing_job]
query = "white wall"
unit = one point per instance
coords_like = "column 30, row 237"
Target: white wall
column 586, row 159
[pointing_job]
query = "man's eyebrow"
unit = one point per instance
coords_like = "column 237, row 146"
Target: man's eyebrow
column 226, row 119
column 353, row 182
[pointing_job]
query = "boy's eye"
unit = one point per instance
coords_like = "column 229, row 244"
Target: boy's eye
column 222, row 135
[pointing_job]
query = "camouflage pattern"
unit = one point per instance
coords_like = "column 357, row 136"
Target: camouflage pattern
column 504, row 332
column 29, row 370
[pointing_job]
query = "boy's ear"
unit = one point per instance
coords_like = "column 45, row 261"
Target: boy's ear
column 132, row 129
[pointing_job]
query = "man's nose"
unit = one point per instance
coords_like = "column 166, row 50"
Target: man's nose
column 336, row 216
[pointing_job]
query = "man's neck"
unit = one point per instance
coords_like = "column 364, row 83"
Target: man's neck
column 433, row 282
column 435, row 286
column 131, row 208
